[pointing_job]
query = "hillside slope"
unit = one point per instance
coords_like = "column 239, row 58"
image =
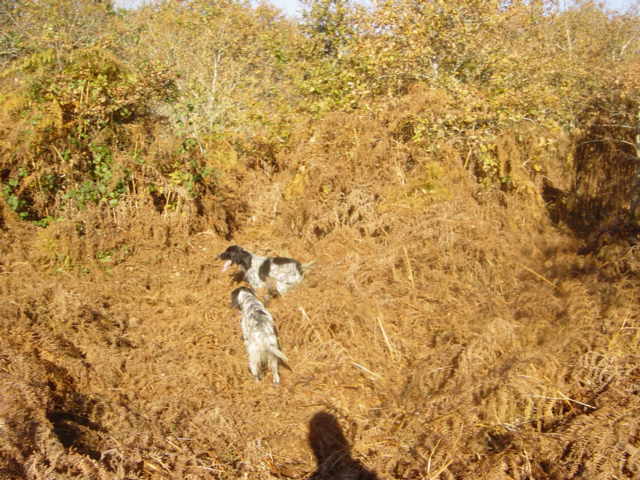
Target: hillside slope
column 446, row 331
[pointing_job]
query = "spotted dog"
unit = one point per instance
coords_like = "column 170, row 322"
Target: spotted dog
column 277, row 274
column 259, row 333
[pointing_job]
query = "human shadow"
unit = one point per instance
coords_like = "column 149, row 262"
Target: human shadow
column 333, row 452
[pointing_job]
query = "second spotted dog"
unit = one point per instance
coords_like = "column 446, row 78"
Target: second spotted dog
column 277, row 274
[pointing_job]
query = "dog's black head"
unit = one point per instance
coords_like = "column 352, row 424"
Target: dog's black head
column 237, row 255
column 235, row 303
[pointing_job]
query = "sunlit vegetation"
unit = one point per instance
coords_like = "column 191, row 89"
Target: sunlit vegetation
column 465, row 173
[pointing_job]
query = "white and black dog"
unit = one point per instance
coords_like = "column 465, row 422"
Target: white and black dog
column 259, row 333
column 276, row 273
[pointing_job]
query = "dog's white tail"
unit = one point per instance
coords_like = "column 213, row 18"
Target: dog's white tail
column 275, row 351
column 307, row 266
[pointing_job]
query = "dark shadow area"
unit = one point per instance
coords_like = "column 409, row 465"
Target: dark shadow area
column 72, row 415
column 159, row 201
column 602, row 206
column 333, row 452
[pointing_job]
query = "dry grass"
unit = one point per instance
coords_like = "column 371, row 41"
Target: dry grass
column 445, row 332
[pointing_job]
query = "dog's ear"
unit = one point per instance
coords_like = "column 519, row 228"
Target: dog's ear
column 243, row 258
column 234, row 298
column 249, row 290
column 237, row 255
column 229, row 253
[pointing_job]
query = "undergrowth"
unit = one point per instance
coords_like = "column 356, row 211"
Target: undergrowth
column 472, row 311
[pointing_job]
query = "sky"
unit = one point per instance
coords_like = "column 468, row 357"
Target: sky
column 291, row 7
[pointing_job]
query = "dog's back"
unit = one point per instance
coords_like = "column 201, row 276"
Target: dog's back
column 259, row 334
column 261, row 339
column 281, row 273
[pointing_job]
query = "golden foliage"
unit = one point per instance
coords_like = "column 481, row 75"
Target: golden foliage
column 459, row 322
column 442, row 338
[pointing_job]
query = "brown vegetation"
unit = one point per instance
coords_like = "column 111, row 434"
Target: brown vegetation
column 473, row 308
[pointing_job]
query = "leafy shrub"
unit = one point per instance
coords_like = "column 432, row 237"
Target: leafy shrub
column 74, row 116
